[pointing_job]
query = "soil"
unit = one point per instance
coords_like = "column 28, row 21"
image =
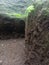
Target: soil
column 12, row 52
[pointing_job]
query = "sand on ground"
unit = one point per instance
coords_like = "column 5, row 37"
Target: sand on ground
column 12, row 52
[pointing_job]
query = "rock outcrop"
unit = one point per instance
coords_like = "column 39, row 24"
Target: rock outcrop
column 37, row 40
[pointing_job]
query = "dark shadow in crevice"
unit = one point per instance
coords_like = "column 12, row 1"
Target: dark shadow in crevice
column 11, row 28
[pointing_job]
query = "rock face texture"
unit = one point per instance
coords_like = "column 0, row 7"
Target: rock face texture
column 37, row 40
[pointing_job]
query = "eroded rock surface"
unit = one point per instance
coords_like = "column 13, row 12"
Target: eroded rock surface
column 37, row 40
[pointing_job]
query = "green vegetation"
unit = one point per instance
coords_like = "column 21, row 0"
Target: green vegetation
column 41, row 7
column 29, row 9
column 17, row 15
column 38, row 6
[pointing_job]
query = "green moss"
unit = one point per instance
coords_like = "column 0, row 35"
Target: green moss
column 29, row 9
column 17, row 15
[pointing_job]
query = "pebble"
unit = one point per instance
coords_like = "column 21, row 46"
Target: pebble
column 0, row 62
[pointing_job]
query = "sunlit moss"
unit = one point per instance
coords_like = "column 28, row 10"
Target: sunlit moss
column 14, row 15
column 17, row 15
column 29, row 9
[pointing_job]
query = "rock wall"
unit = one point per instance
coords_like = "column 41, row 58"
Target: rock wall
column 37, row 40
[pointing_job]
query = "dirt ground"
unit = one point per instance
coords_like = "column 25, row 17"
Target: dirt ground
column 12, row 52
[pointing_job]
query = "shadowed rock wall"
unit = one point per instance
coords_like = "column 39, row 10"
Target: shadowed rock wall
column 11, row 26
column 37, row 40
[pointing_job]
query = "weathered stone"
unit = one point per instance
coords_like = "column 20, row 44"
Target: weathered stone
column 37, row 40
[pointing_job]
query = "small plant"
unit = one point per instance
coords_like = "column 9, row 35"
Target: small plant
column 29, row 9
